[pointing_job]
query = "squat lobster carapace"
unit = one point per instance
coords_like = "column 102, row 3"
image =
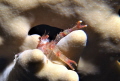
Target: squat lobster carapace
column 50, row 47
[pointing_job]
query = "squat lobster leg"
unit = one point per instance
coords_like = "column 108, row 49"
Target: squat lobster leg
column 67, row 31
column 61, row 56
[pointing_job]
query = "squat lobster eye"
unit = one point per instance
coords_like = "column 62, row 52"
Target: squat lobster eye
column 51, row 48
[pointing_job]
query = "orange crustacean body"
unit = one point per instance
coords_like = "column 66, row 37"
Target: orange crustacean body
column 49, row 47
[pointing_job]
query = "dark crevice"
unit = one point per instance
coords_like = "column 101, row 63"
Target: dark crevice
column 45, row 30
column 119, row 12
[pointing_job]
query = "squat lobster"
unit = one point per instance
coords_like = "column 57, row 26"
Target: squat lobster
column 50, row 47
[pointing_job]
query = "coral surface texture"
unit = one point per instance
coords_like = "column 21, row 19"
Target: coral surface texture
column 95, row 49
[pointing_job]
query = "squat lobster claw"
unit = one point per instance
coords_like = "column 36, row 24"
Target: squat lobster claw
column 50, row 47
